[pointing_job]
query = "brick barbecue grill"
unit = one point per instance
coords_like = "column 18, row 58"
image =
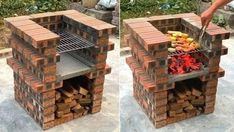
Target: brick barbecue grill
column 59, row 64
column 168, row 98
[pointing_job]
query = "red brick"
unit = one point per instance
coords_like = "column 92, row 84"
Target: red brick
column 96, row 103
column 221, row 72
column 111, row 46
column 161, row 110
column 209, row 104
column 66, row 12
column 95, row 109
column 22, row 23
column 210, row 98
column 97, row 96
column 212, row 83
column 209, row 110
column 98, row 89
column 48, row 118
column 211, row 90
column 224, row 50
column 50, row 51
column 48, row 94
column 160, row 95
column 149, row 62
column 160, row 124
column 43, row 40
column 139, row 25
column 216, row 32
column 49, row 110
column 19, row 18
column 101, row 57
column 48, row 125
column 100, row 65
column 161, row 117
column 161, row 102
column 162, row 80
column 50, row 69
column 99, row 80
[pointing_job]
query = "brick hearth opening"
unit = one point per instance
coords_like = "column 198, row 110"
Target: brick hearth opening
column 59, row 64
column 166, row 95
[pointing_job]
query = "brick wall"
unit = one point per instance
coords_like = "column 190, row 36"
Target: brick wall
column 152, row 84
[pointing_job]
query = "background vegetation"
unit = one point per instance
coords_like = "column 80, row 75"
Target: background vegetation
column 140, row 8
column 9, row 8
column 20, row 7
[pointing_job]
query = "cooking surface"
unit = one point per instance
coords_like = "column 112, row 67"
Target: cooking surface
column 182, row 52
column 70, row 67
column 71, row 42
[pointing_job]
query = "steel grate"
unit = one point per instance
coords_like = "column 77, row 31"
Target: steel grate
column 183, row 52
column 70, row 42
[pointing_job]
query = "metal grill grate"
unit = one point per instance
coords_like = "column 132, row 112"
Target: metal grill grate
column 71, row 42
column 176, row 53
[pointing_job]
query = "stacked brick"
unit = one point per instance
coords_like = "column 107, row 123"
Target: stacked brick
column 34, row 48
column 152, row 85
column 115, row 21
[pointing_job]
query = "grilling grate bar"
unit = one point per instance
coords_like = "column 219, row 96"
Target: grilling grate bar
column 183, row 52
column 70, row 42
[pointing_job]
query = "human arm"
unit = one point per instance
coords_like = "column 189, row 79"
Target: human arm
column 207, row 15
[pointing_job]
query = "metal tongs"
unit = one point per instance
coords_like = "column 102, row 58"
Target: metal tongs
column 201, row 34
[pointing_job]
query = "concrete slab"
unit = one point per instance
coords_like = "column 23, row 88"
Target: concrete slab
column 14, row 119
column 133, row 119
column 70, row 67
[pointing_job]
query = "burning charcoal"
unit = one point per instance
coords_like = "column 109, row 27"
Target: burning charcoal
column 183, row 64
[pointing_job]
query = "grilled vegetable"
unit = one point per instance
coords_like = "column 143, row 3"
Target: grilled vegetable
column 181, row 41
column 171, row 49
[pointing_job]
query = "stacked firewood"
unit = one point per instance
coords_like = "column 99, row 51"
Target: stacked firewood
column 185, row 100
column 72, row 98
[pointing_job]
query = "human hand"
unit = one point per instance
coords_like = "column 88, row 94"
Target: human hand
column 206, row 17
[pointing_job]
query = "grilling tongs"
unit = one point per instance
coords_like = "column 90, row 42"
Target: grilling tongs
column 201, row 33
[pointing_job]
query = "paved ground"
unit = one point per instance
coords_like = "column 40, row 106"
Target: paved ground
column 133, row 119
column 14, row 119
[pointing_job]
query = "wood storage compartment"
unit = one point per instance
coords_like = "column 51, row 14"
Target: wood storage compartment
column 59, row 64
column 166, row 96
column 186, row 100
column 74, row 98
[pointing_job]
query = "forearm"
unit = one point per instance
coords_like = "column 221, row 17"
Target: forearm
column 217, row 4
